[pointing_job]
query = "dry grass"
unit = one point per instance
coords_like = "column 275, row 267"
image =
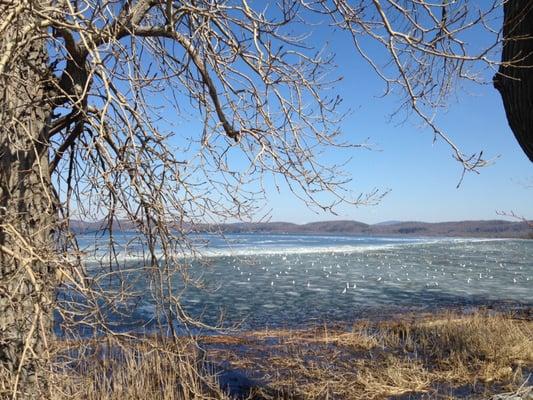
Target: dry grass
column 430, row 356
column 134, row 370
column 391, row 378
column 387, row 359
column 477, row 347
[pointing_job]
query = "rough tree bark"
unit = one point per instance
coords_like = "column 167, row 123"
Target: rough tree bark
column 26, row 216
column 514, row 79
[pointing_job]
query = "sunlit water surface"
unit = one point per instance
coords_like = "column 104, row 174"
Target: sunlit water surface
column 288, row 280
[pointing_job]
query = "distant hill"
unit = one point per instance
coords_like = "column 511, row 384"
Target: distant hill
column 384, row 223
column 491, row 228
column 483, row 228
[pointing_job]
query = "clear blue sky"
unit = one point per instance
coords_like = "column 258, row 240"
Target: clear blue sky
column 420, row 175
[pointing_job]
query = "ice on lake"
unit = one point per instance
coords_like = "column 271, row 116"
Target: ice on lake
column 294, row 279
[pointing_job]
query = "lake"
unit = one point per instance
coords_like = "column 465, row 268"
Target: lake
column 289, row 280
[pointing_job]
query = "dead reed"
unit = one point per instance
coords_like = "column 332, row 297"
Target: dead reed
column 429, row 356
column 133, row 369
column 425, row 355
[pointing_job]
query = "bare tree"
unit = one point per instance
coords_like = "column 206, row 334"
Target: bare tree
column 94, row 108
column 431, row 48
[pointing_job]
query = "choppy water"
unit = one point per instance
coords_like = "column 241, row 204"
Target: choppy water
column 269, row 280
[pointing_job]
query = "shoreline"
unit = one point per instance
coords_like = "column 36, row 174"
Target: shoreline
column 412, row 356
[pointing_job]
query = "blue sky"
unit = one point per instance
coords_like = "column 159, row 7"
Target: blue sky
column 421, row 175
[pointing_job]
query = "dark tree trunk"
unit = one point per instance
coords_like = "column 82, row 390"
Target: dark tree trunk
column 514, row 79
column 27, row 278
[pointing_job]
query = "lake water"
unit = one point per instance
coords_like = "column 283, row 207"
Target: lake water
column 288, row 280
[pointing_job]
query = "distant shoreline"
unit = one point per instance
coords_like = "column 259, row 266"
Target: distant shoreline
column 497, row 229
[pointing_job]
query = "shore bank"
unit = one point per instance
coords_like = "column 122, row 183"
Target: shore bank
column 447, row 355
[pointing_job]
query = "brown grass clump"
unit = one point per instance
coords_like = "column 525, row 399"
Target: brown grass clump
column 387, row 359
column 429, row 356
column 393, row 377
column 466, row 348
column 133, row 370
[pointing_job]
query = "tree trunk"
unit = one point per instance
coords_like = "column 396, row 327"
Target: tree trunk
column 27, row 217
column 514, row 79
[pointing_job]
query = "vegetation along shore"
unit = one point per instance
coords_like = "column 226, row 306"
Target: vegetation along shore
column 481, row 355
